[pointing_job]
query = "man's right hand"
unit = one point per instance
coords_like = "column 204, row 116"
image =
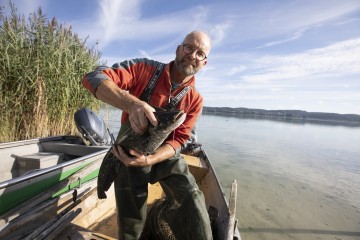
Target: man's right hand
column 139, row 114
column 139, row 111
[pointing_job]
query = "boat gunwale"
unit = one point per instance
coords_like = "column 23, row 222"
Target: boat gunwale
column 4, row 145
column 225, row 216
column 216, row 177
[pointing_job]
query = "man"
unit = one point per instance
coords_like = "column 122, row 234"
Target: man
column 122, row 86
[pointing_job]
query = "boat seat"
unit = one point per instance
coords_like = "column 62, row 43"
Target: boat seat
column 70, row 149
column 31, row 162
column 197, row 166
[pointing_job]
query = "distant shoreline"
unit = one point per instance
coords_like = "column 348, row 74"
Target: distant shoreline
column 297, row 116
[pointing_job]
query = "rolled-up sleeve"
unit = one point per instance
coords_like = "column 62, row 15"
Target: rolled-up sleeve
column 93, row 79
column 123, row 74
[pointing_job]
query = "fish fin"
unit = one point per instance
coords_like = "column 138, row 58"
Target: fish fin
column 101, row 195
column 107, row 174
column 122, row 138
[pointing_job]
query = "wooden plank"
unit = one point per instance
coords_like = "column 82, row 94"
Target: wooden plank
column 60, row 225
column 26, row 221
column 94, row 212
column 102, row 236
column 42, row 211
column 16, row 221
column 30, row 203
column 40, row 229
column 55, row 221
column 232, row 211
column 25, row 206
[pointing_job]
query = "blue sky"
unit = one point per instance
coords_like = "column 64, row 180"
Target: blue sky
column 268, row 54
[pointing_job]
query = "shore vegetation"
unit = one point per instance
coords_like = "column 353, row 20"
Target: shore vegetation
column 42, row 63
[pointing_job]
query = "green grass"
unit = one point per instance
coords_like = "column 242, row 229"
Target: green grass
column 42, row 63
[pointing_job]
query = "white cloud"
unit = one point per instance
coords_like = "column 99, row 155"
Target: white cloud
column 115, row 16
column 298, row 34
column 347, row 21
column 287, row 20
column 341, row 58
column 218, row 33
column 124, row 21
column 235, row 70
column 143, row 53
column 325, row 75
column 329, row 74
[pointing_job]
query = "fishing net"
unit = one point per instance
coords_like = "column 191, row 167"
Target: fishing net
column 156, row 226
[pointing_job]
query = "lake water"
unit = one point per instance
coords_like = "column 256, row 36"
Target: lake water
column 295, row 180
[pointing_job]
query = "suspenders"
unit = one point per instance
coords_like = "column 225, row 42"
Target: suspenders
column 175, row 100
column 148, row 91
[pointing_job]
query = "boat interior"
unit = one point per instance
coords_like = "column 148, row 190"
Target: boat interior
column 103, row 212
column 81, row 213
column 106, row 226
column 24, row 157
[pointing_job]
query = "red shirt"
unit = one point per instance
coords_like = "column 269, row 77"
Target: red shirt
column 134, row 75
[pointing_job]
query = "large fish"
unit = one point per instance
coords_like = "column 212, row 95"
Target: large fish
column 147, row 143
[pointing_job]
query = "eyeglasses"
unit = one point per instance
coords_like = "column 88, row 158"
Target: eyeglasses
column 188, row 49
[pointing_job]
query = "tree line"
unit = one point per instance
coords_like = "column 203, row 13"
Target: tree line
column 285, row 114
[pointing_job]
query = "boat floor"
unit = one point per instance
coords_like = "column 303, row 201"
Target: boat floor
column 106, row 229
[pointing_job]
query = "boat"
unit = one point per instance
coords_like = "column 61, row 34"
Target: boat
column 48, row 187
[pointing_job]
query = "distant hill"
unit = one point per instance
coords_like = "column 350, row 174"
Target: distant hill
column 283, row 114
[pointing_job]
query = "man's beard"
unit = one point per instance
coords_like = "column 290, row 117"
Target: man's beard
column 185, row 68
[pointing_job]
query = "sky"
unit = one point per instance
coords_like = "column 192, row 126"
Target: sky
column 266, row 54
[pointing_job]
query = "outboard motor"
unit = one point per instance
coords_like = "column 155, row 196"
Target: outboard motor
column 92, row 127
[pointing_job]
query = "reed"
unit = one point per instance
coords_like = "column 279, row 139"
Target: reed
column 41, row 66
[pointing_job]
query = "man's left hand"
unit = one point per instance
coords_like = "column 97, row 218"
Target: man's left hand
column 137, row 159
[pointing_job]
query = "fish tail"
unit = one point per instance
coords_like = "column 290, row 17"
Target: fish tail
column 107, row 174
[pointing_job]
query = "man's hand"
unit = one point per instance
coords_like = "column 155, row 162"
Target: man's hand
column 139, row 114
column 139, row 111
column 137, row 159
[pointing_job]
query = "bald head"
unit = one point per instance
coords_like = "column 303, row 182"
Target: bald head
column 200, row 39
column 192, row 54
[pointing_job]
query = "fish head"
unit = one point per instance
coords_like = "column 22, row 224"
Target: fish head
column 169, row 120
